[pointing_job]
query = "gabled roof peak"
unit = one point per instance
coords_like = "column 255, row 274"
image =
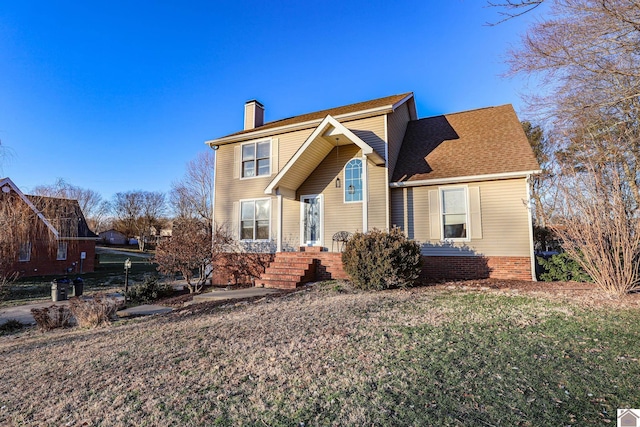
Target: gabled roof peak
column 379, row 105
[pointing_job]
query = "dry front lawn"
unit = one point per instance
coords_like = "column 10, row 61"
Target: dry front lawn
column 332, row 356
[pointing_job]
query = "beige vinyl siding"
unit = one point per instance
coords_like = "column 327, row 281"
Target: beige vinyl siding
column 397, row 126
column 505, row 227
column 230, row 190
column 399, row 210
column 371, row 131
column 289, row 143
column 377, row 206
column 408, row 208
column 338, row 216
column 290, row 225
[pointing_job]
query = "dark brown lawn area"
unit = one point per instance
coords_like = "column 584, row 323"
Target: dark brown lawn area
column 464, row 353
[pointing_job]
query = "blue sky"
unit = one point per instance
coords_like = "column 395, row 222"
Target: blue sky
column 118, row 96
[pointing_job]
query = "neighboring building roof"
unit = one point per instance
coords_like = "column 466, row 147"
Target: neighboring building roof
column 7, row 186
column 486, row 141
column 374, row 104
column 65, row 215
column 111, row 230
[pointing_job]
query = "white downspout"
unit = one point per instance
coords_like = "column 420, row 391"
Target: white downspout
column 530, row 219
column 365, row 196
column 279, row 237
column 387, row 202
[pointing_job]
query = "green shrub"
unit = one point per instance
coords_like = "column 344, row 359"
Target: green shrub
column 379, row 260
column 561, row 267
column 149, row 290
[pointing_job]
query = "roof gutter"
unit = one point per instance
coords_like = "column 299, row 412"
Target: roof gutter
column 304, row 125
column 470, row 178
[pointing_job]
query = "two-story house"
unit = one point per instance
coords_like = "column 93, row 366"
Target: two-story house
column 457, row 184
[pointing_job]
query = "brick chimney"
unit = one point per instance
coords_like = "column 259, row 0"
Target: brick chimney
column 253, row 114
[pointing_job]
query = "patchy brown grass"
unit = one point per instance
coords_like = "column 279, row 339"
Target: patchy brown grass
column 327, row 355
column 583, row 294
column 202, row 363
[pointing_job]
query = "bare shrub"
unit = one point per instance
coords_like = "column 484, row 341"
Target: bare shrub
column 10, row 326
column 600, row 228
column 52, row 317
column 188, row 251
column 90, row 313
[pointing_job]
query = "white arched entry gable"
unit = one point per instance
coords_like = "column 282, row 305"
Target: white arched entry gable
column 327, row 135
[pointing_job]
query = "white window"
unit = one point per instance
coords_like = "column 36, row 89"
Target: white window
column 455, row 220
column 255, row 219
column 62, row 251
column 353, row 181
column 256, row 159
column 25, row 252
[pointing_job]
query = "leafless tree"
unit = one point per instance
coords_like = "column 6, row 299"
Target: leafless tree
column 23, row 229
column 599, row 226
column 514, row 8
column 543, row 186
column 5, row 154
column 138, row 213
column 190, row 251
column 91, row 203
column 586, row 56
column 192, row 196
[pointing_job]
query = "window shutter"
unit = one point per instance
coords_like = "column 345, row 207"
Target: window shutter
column 475, row 213
column 275, row 150
column 237, row 161
column 435, row 231
column 235, row 220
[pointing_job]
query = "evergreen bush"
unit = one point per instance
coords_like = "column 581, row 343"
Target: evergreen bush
column 149, row 290
column 380, row 260
column 561, row 267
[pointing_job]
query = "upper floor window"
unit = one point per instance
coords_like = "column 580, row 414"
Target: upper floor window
column 353, row 181
column 255, row 219
column 24, row 254
column 256, row 159
column 454, row 213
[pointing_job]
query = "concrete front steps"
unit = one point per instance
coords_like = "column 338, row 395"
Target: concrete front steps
column 292, row 269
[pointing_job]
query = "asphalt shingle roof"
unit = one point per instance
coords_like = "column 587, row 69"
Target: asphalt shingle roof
column 477, row 142
column 318, row 115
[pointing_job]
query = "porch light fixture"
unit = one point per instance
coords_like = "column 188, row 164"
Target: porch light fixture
column 338, row 185
column 351, row 189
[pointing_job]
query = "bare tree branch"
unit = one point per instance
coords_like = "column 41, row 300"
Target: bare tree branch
column 514, row 9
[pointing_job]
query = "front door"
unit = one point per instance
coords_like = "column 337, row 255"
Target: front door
column 311, row 219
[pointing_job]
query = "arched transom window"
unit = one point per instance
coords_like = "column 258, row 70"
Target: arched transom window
column 353, row 181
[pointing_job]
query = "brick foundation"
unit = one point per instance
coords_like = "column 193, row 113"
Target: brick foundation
column 225, row 267
column 467, row 268
column 328, row 265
